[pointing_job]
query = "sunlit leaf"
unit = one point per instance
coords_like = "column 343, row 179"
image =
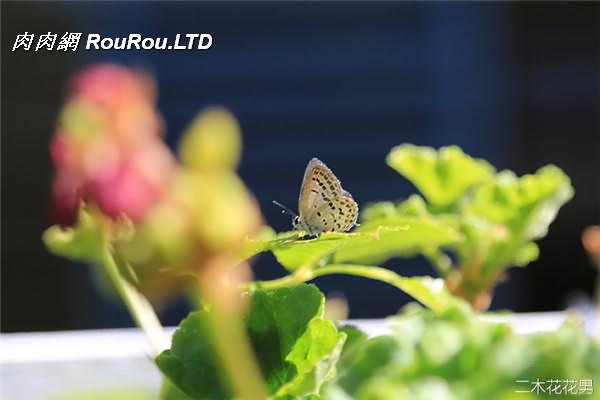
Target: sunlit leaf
column 525, row 205
column 454, row 354
column 431, row 292
column 257, row 244
column 296, row 348
column 293, row 255
column 82, row 242
column 372, row 242
column 191, row 362
column 395, row 236
column 525, row 254
column 171, row 392
column 521, row 210
column 378, row 210
column 442, row 176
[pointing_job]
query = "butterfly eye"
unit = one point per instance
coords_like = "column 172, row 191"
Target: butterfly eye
column 296, row 220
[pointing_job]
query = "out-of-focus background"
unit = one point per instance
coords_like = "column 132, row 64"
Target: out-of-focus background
column 515, row 83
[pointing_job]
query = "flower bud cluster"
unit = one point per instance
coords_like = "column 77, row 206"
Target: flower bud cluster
column 108, row 151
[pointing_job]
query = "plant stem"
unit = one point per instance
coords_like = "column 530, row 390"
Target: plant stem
column 441, row 262
column 414, row 286
column 228, row 332
column 138, row 306
column 307, row 274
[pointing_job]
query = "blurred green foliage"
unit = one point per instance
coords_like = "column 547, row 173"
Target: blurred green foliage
column 295, row 347
column 452, row 354
column 455, row 354
column 82, row 242
column 498, row 215
column 442, row 176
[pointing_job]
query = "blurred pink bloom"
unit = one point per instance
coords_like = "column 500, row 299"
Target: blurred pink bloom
column 110, row 85
column 125, row 192
column 66, row 195
column 59, row 151
column 107, row 148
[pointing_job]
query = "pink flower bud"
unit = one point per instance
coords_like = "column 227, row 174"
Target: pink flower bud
column 107, row 149
column 63, row 151
column 66, row 195
column 107, row 85
column 126, row 192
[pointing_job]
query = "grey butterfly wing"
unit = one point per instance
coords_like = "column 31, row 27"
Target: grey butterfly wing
column 323, row 204
column 319, row 186
column 348, row 209
column 337, row 215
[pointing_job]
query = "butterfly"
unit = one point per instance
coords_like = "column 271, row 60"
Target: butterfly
column 323, row 205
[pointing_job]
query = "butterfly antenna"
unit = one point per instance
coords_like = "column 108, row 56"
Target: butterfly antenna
column 284, row 209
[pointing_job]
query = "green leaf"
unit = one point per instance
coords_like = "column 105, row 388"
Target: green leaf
column 525, row 254
column 431, row 292
column 413, row 206
column 373, row 242
column 315, row 356
column 171, row 392
column 258, row 244
column 378, row 210
column 80, row 243
column 526, row 205
column 296, row 348
column 191, row 362
column 442, row 176
column 395, row 236
column 513, row 211
column 308, row 253
column 376, row 240
column 355, row 338
column 266, row 240
column 454, row 354
column 372, row 356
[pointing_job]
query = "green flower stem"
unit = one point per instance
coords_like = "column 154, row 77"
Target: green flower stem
column 440, row 261
column 138, row 306
column 409, row 285
column 365, row 271
column 228, row 333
